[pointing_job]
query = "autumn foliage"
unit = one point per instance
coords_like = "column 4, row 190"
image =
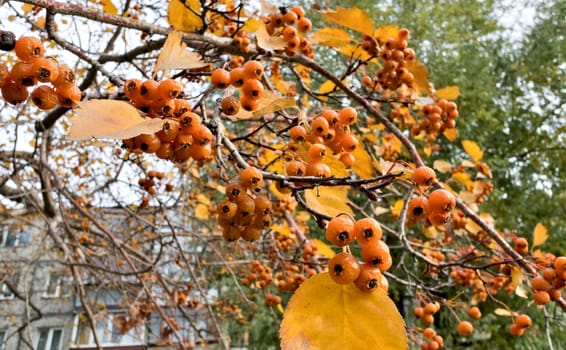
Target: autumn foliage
column 318, row 189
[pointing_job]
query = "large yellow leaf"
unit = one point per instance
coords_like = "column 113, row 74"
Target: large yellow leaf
column 269, row 103
column 472, row 149
column 184, row 17
column 385, row 32
column 268, row 42
column 324, row 315
column 449, row 92
column 363, row 165
column 540, row 235
column 329, row 200
column 353, row 18
column 420, row 74
column 111, row 120
column 326, row 87
column 330, row 37
column 175, row 55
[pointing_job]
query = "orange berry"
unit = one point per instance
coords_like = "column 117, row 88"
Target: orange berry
column 438, row 218
column 427, row 319
column 45, row 69
column 235, row 191
column 68, row 96
column 226, row 209
column 65, row 77
column 251, row 178
column 318, row 169
column 549, row 274
column 230, row 105
column 376, row 253
column 431, row 308
column 349, row 142
column 331, row 116
column 202, row 135
column 523, row 321
column 295, row 168
column 168, row 89
column 201, row 152
column 439, row 340
column 304, row 25
column 348, row 159
column 515, row 330
column 521, row 246
column 253, row 89
column 369, row 278
column 132, row 89
column 44, row 97
column 441, row 201
column 263, row 205
column 14, row 93
column 540, row 284
column 339, row 230
column 148, row 143
column 253, row 70
column 367, row 230
column 22, row 74
column 297, row 133
column 474, row 312
column 319, row 126
column 28, row 47
column 541, row 298
column 317, row 152
column 465, row 328
column 249, row 104
column 424, row 176
column 237, row 77
column 343, row 268
column 348, row 115
column 299, row 11
column 403, row 34
column 418, row 208
column 429, row 333
column 181, row 107
column 148, row 90
column 220, row 78
column 560, row 264
column 418, row 312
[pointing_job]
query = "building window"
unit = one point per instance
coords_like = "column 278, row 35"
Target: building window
column 49, row 339
column 2, row 340
column 111, row 330
column 57, row 286
column 5, row 291
column 13, row 236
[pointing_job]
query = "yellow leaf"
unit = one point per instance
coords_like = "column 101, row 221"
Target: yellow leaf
column 268, row 42
column 387, row 167
column 363, row 165
column 325, row 315
column 396, row 209
column 502, row 312
column 449, row 92
column 108, row 7
column 430, row 232
column 473, row 150
column 420, row 74
column 326, row 87
column 269, row 103
column 463, row 179
column 356, row 52
column 330, row 37
column 251, row 25
column 284, row 230
column 201, row 212
column 540, row 235
column 323, row 248
column 516, row 277
column 184, row 15
column 111, row 120
column 175, row 55
column 442, row 166
column 451, row 134
column 280, row 308
column 385, row 32
column 328, row 200
column 353, row 18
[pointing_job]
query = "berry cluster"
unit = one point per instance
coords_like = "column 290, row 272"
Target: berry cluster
column 183, row 136
column 247, row 79
column 438, row 117
column 332, row 130
column 344, row 268
column 432, row 340
column 550, row 284
column 522, row 322
column 260, row 275
column 289, row 24
column 426, row 313
column 241, row 214
column 395, row 54
column 437, row 207
column 57, row 81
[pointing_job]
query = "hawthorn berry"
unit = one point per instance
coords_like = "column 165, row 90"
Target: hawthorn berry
column 340, row 230
column 424, row 176
column 465, row 328
column 344, row 268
